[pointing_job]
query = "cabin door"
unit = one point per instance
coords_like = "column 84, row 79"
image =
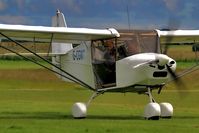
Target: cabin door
column 104, row 62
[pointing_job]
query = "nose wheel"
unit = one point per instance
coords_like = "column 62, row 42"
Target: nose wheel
column 153, row 110
column 166, row 110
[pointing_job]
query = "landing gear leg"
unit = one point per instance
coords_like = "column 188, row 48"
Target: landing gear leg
column 79, row 110
column 152, row 110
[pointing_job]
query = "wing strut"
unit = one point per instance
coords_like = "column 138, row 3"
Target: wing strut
column 72, row 78
column 51, row 40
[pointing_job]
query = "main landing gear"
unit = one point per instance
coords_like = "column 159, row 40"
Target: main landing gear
column 153, row 110
column 79, row 110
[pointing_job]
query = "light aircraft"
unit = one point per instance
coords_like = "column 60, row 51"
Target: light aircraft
column 106, row 60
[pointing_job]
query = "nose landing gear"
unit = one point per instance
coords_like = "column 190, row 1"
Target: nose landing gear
column 166, row 110
column 153, row 110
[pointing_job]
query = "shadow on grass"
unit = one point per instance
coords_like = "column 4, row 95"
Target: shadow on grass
column 186, row 117
column 60, row 116
column 34, row 115
column 115, row 117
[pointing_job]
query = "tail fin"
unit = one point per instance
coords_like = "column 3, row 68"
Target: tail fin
column 59, row 48
column 59, row 21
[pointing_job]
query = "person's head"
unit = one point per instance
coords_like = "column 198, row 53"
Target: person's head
column 109, row 44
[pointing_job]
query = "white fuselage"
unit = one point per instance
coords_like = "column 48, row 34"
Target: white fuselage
column 139, row 69
column 131, row 72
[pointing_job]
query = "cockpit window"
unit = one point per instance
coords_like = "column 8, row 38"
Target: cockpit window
column 104, row 50
column 135, row 42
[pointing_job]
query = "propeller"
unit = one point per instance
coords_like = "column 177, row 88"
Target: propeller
column 178, row 81
column 173, row 74
column 174, row 24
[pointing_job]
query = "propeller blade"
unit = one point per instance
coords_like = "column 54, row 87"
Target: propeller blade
column 173, row 24
column 174, row 76
column 179, row 83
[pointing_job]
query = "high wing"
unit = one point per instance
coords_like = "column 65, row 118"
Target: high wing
column 58, row 34
column 178, row 36
column 181, row 37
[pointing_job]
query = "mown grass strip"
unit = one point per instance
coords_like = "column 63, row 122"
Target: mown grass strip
column 19, row 64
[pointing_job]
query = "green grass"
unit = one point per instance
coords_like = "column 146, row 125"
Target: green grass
column 49, row 111
column 185, row 64
column 182, row 53
column 33, row 100
column 19, row 64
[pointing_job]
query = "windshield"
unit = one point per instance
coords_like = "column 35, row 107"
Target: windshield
column 135, row 42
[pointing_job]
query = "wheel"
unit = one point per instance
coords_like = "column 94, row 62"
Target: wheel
column 79, row 110
column 152, row 111
column 166, row 110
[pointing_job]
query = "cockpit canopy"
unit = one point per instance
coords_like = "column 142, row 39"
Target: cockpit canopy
column 129, row 43
column 137, row 41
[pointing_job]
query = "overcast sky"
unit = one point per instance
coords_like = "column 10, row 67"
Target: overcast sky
column 144, row 14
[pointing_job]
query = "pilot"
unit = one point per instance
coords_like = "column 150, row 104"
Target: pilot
column 110, row 51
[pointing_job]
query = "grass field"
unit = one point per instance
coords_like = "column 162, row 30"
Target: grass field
column 182, row 53
column 33, row 100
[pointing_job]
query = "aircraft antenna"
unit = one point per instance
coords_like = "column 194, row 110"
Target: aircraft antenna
column 128, row 14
